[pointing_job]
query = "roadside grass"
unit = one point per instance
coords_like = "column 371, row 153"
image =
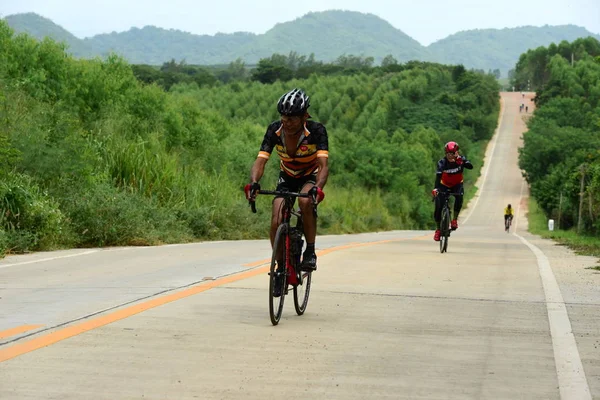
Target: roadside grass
column 582, row 244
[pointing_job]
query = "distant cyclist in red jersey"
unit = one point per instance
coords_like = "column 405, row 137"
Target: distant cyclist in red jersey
column 449, row 179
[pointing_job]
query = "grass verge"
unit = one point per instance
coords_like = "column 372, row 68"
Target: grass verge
column 582, row 244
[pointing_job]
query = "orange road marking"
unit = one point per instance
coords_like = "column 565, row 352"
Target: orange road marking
column 17, row 330
column 257, row 263
column 18, row 349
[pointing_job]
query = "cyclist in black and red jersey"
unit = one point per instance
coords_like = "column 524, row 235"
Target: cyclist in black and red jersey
column 302, row 146
column 449, row 178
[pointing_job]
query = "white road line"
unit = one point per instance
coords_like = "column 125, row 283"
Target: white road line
column 487, row 165
column 572, row 381
column 48, row 259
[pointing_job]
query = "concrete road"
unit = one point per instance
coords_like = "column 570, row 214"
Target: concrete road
column 500, row 316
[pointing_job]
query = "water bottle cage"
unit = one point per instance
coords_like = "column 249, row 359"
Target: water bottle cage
column 296, row 242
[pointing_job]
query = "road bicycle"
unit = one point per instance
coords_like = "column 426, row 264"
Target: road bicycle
column 507, row 223
column 445, row 220
column 287, row 246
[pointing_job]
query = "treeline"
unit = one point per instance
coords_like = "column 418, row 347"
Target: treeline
column 278, row 67
column 94, row 157
column 561, row 153
column 532, row 70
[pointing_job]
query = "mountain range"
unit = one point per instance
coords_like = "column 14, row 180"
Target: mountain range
column 327, row 34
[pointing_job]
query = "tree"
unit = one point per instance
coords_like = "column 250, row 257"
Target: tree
column 268, row 71
column 389, row 60
column 236, row 71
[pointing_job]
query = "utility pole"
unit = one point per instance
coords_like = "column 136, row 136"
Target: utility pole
column 582, row 170
column 591, row 208
column 559, row 210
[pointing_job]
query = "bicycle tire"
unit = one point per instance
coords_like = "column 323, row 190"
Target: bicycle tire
column 302, row 291
column 445, row 230
column 276, row 303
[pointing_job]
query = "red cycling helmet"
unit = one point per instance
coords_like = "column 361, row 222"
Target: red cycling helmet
column 451, row 147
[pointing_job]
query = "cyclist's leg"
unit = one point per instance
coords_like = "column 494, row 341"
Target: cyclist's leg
column 306, row 205
column 276, row 217
column 283, row 185
column 458, row 202
column 277, row 212
column 309, row 258
column 437, row 215
column 439, row 203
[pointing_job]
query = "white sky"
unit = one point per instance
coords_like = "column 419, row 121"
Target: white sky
column 426, row 21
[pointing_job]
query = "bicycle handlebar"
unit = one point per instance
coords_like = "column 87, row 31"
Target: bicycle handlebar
column 447, row 193
column 279, row 193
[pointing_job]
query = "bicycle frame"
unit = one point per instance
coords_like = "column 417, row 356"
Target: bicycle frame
column 291, row 265
column 447, row 196
column 288, row 211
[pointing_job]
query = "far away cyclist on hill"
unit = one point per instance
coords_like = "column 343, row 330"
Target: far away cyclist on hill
column 449, row 179
column 302, row 146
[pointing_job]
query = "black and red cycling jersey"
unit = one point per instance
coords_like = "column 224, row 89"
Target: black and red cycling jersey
column 302, row 161
column 450, row 174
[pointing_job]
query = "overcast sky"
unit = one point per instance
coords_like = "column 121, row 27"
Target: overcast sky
column 426, row 21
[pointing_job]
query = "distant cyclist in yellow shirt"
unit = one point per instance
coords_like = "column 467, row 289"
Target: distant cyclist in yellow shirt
column 508, row 216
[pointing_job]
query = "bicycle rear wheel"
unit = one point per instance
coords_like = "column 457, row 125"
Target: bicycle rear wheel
column 279, row 250
column 445, row 230
column 302, row 291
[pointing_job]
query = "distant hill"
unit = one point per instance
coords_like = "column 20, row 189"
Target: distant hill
column 330, row 34
column 482, row 48
column 327, row 34
column 40, row 27
column 152, row 45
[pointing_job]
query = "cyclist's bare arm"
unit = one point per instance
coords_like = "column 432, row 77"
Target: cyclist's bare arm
column 258, row 169
column 323, row 173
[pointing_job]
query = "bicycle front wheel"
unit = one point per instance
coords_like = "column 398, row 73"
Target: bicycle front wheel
column 302, row 291
column 278, row 275
column 445, row 230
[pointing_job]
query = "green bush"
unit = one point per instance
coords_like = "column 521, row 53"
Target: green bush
column 30, row 219
column 103, row 215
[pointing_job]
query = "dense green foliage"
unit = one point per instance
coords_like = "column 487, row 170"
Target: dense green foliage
column 532, row 69
column 278, row 67
column 94, row 157
column 562, row 145
column 328, row 35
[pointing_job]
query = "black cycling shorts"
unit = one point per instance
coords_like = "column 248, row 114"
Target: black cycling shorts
column 286, row 183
